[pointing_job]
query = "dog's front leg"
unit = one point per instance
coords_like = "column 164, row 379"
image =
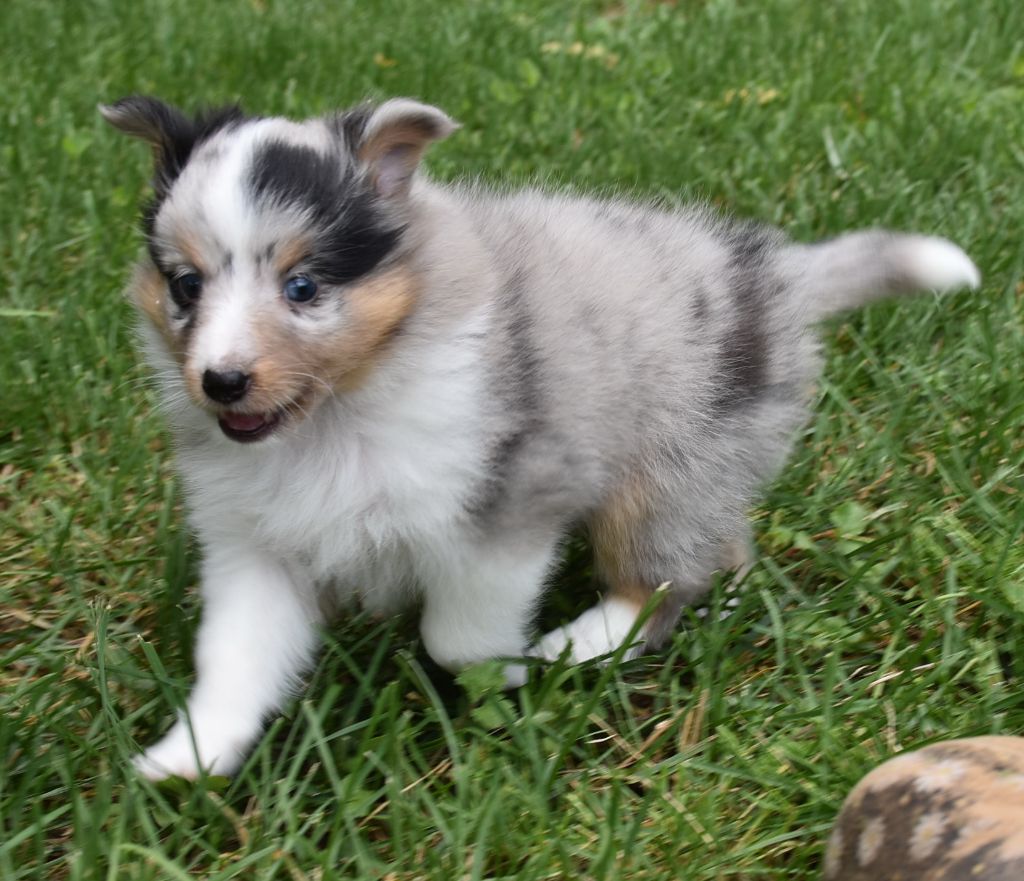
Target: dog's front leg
column 258, row 634
column 480, row 603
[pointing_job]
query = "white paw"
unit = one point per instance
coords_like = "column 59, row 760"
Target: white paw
column 178, row 755
column 516, row 675
column 938, row 265
column 598, row 631
column 737, row 556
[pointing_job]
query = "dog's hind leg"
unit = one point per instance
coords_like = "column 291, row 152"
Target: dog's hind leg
column 646, row 536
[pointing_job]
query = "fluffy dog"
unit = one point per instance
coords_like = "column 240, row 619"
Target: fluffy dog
column 387, row 391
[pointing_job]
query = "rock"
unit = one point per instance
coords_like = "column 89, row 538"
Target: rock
column 953, row 811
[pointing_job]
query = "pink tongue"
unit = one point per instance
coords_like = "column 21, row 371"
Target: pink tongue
column 243, row 421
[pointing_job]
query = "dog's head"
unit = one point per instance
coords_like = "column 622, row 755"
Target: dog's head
column 276, row 274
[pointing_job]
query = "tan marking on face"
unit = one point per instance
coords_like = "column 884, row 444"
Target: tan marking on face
column 377, row 309
column 299, row 368
column 288, row 255
column 190, row 250
column 283, row 360
column 148, row 292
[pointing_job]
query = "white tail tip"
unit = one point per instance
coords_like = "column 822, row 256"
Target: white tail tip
column 939, row 265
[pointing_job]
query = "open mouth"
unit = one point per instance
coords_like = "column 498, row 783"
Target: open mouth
column 248, row 427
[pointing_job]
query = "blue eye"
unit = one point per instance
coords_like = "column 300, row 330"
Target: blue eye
column 185, row 289
column 300, row 289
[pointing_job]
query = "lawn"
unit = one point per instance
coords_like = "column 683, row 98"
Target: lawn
column 885, row 610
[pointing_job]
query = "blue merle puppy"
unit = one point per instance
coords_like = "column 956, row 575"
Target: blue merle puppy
column 387, row 392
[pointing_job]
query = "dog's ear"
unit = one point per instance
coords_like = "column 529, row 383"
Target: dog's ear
column 172, row 134
column 148, row 119
column 394, row 138
column 166, row 129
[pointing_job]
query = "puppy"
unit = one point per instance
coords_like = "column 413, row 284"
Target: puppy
column 386, row 391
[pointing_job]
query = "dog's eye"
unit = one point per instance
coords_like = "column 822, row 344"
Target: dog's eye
column 300, row 289
column 185, row 289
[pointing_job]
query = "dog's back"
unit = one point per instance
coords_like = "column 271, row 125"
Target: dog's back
column 679, row 344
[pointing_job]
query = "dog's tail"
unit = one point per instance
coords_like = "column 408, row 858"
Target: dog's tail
column 860, row 267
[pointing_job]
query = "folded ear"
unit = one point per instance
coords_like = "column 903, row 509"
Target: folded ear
column 394, row 139
column 172, row 134
column 149, row 119
column 165, row 128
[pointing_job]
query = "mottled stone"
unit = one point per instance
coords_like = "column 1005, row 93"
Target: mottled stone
column 953, row 811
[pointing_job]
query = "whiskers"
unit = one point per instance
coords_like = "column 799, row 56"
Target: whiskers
column 168, row 402
column 319, row 380
column 278, row 403
column 165, row 388
column 171, row 395
column 296, row 427
column 153, row 380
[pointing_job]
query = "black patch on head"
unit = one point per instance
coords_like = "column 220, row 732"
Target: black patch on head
column 185, row 135
column 350, row 126
column 743, row 349
column 517, row 387
column 351, row 236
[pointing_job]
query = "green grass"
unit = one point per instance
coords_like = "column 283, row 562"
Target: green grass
column 885, row 612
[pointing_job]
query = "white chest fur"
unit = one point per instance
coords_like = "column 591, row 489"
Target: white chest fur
column 360, row 494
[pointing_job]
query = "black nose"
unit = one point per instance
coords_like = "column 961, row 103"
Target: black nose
column 225, row 386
